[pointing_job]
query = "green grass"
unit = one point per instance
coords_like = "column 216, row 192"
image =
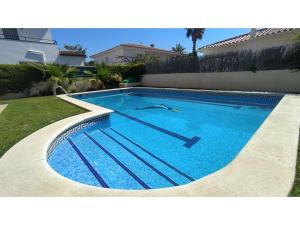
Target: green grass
column 24, row 116
column 296, row 188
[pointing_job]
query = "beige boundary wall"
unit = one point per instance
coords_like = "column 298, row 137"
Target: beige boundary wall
column 270, row 80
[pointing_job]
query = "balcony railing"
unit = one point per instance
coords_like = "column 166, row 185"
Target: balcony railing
column 28, row 39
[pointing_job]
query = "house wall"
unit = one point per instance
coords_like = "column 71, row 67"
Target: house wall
column 109, row 57
column 33, row 49
column 129, row 52
column 270, row 80
column 70, row 60
column 254, row 44
column 34, row 33
column 135, row 51
column 13, row 52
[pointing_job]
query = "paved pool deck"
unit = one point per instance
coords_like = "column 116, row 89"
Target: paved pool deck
column 264, row 167
column 2, row 107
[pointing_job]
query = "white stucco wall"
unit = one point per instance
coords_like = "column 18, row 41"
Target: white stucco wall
column 270, row 80
column 109, row 57
column 254, row 44
column 129, row 52
column 13, row 51
column 34, row 49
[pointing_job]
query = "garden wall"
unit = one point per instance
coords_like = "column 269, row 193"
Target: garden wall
column 269, row 80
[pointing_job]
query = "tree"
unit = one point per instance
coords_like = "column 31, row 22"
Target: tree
column 90, row 63
column 178, row 48
column 196, row 34
column 139, row 58
column 77, row 48
column 59, row 75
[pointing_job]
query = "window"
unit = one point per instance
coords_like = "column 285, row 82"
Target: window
column 106, row 59
column 10, row 33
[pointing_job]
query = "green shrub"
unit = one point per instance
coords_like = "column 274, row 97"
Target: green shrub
column 135, row 71
column 16, row 78
column 127, row 70
column 20, row 77
column 109, row 77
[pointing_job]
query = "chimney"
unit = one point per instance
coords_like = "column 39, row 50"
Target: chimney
column 152, row 45
column 253, row 32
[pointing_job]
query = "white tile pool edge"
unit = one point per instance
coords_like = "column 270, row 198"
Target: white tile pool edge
column 264, row 167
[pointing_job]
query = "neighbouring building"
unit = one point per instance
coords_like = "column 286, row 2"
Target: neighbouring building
column 20, row 45
column 255, row 40
column 116, row 55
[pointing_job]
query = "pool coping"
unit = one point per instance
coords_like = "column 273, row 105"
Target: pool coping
column 264, row 167
column 2, row 107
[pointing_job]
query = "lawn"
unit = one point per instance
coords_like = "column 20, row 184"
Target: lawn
column 27, row 115
column 296, row 188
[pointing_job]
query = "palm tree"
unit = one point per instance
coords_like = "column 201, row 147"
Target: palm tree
column 196, row 34
column 178, row 48
column 59, row 75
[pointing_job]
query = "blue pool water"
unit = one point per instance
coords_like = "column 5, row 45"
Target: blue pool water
column 159, row 138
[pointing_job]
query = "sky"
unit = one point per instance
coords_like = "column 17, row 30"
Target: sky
column 100, row 39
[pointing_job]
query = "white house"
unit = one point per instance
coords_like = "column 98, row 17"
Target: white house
column 117, row 54
column 255, row 40
column 19, row 45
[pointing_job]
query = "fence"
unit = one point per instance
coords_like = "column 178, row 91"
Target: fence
column 276, row 58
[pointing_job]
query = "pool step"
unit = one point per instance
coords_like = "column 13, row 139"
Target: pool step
column 151, row 157
column 104, row 165
column 107, row 152
column 144, row 172
column 122, row 163
column 140, row 158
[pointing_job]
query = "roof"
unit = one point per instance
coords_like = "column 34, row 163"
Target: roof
column 246, row 37
column 138, row 46
column 71, row 53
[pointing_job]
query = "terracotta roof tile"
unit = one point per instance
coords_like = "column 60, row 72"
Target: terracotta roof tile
column 247, row 37
column 138, row 46
column 148, row 48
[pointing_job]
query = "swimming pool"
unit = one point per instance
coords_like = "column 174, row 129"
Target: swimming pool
column 158, row 138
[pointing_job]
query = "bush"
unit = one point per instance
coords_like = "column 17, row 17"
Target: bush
column 16, row 78
column 134, row 71
column 109, row 78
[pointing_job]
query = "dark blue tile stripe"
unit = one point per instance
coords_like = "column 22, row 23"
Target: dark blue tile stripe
column 88, row 165
column 226, row 102
column 118, row 162
column 186, row 99
column 154, row 156
column 192, row 141
column 141, row 159
column 189, row 141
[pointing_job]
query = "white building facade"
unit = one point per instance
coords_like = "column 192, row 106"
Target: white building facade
column 19, row 45
column 116, row 55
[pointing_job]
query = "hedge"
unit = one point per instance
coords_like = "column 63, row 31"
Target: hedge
column 131, row 71
column 16, row 78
